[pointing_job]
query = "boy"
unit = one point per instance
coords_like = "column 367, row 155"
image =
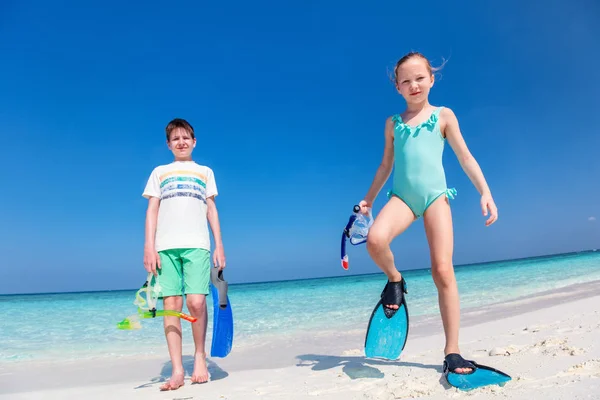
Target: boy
column 181, row 203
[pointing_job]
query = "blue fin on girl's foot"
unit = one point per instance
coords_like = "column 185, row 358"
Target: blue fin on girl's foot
column 222, row 337
column 481, row 375
column 388, row 328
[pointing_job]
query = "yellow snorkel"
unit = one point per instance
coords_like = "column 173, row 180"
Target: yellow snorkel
column 145, row 300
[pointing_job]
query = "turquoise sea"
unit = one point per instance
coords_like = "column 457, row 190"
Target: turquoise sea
column 68, row 326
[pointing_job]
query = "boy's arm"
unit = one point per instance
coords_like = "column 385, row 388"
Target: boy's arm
column 213, row 220
column 468, row 163
column 151, row 258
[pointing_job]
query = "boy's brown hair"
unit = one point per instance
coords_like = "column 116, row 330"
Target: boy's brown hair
column 179, row 123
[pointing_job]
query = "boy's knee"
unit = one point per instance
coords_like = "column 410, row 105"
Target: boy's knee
column 196, row 303
column 173, row 302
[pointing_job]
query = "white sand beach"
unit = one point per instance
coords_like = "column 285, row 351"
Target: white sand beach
column 547, row 343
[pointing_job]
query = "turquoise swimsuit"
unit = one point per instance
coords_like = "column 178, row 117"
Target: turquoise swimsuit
column 419, row 177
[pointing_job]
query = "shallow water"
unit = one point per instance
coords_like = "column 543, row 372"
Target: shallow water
column 83, row 325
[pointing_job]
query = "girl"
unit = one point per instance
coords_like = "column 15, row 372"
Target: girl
column 414, row 142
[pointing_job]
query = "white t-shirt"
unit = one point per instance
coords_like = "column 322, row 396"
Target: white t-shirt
column 183, row 187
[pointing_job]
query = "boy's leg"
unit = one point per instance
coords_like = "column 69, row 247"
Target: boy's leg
column 170, row 281
column 391, row 221
column 197, row 305
column 196, row 269
column 172, row 327
column 438, row 228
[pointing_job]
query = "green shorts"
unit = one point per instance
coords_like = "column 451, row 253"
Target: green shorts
column 184, row 271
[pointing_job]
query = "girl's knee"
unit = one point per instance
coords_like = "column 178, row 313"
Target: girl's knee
column 376, row 240
column 443, row 274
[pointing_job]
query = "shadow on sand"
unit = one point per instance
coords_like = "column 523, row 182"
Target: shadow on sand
column 215, row 372
column 356, row 367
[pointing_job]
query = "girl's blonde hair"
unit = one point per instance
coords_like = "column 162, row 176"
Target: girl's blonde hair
column 432, row 70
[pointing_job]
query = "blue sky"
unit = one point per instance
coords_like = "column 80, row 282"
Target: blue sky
column 288, row 100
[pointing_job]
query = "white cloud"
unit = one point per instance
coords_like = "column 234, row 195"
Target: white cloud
column 591, row 219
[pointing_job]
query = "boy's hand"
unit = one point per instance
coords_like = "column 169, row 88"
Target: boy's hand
column 219, row 257
column 151, row 260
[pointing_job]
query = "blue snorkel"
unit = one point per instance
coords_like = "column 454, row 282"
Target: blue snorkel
column 356, row 230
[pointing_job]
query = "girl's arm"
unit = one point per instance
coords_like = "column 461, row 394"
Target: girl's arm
column 385, row 168
column 451, row 131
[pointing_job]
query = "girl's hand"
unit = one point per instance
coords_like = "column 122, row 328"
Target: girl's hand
column 364, row 207
column 487, row 204
column 151, row 260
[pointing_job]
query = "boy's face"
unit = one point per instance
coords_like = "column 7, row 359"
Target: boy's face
column 181, row 144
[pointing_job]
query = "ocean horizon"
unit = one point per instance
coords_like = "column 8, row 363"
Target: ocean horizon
column 349, row 274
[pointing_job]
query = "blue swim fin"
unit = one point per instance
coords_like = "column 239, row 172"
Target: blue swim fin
column 222, row 338
column 482, row 375
column 388, row 329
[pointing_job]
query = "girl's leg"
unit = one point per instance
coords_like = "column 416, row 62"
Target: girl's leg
column 438, row 228
column 393, row 219
column 173, row 334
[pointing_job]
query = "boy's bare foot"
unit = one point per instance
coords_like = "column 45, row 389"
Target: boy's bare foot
column 174, row 383
column 200, row 374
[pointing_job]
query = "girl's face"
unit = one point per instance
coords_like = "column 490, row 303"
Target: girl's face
column 181, row 144
column 414, row 80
